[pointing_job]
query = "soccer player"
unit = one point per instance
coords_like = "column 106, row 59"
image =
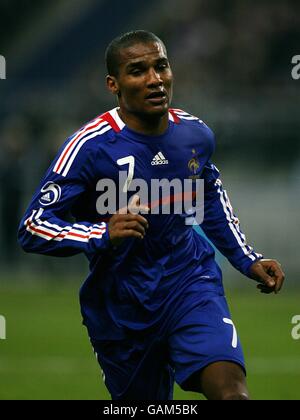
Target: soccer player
column 154, row 303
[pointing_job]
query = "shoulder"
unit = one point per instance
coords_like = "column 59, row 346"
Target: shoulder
column 83, row 145
column 190, row 120
column 193, row 123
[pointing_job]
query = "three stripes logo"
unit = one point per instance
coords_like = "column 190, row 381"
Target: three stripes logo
column 159, row 159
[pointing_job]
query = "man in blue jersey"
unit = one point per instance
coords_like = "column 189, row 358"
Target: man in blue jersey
column 154, row 303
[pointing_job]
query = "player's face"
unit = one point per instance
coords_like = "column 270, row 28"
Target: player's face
column 144, row 83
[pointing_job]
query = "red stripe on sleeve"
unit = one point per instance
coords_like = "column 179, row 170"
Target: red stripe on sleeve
column 108, row 118
column 175, row 116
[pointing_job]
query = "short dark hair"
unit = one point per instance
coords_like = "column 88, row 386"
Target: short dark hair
column 124, row 41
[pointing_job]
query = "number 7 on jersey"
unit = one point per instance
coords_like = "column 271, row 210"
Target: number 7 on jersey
column 128, row 160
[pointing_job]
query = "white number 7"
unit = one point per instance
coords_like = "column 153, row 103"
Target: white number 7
column 128, row 160
column 234, row 336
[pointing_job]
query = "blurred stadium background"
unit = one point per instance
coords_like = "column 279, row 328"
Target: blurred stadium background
column 232, row 62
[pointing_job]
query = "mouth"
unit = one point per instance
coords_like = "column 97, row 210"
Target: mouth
column 157, row 97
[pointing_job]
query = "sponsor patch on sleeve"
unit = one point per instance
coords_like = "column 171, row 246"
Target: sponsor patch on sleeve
column 51, row 194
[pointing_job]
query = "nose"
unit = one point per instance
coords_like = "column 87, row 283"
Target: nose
column 154, row 78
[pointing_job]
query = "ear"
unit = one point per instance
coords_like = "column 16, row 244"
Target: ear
column 112, row 84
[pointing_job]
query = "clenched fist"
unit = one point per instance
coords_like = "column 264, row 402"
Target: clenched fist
column 127, row 223
column 269, row 274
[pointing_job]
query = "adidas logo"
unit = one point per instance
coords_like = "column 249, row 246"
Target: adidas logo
column 159, row 159
column 46, row 197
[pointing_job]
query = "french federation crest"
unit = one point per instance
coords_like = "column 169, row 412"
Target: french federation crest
column 194, row 165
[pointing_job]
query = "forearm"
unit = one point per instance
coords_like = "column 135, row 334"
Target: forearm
column 222, row 227
column 42, row 233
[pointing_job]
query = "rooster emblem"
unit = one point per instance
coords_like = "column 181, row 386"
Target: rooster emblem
column 194, row 164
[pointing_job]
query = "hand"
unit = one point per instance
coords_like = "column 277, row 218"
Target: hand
column 127, row 223
column 269, row 274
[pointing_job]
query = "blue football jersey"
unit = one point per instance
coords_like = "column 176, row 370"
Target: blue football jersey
column 131, row 285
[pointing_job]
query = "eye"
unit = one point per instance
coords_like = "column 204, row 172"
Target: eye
column 163, row 66
column 136, row 72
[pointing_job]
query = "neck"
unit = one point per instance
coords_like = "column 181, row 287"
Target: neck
column 150, row 126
